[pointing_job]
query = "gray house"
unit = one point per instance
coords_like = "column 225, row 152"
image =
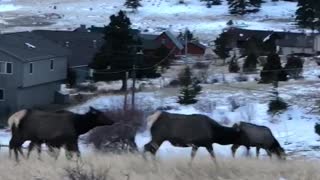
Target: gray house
column 31, row 70
column 82, row 46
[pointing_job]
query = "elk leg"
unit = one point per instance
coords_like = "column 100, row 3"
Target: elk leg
column 269, row 154
column 73, row 147
column 257, row 152
column 234, row 149
column 248, row 151
column 211, row 152
column 152, row 147
column 30, row 148
column 193, row 152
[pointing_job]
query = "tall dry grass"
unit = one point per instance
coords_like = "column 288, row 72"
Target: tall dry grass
column 133, row 167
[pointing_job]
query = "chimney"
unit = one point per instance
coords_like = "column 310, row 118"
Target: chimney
column 94, row 43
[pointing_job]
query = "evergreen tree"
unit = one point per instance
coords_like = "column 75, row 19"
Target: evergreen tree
column 241, row 7
column 233, row 65
column 209, row 3
column 250, row 63
column 119, row 53
column 272, row 70
column 308, row 14
column 221, row 48
column 294, row 67
column 190, row 87
column 161, row 54
column 133, row 4
column 186, row 34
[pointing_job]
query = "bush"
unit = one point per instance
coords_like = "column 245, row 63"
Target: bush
column 174, row 83
column 200, row 65
column 80, row 172
column 277, row 105
column 241, row 78
column 317, row 129
column 294, row 67
column 120, row 137
column 234, row 104
column 87, row 87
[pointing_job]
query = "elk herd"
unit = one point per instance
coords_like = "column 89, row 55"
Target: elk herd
column 63, row 128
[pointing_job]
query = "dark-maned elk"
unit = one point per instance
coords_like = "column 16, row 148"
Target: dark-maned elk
column 55, row 129
column 194, row 131
column 259, row 137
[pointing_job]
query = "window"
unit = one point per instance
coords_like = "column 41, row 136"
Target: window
column 163, row 41
column 31, row 68
column 6, row 67
column 2, row 67
column 9, row 68
column 1, row 94
column 51, row 65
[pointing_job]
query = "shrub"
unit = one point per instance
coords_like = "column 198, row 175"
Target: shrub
column 174, row 83
column 119, row 137
column 241, row 78
column 277, row 105
column 80, row 172
column 294, row 67
column 200, row 65
column 317, row 128
column 234, row 104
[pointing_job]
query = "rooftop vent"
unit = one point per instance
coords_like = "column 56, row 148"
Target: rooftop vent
column 30, row 45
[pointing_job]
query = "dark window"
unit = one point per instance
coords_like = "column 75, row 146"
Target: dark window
column 9, row 68
column 2, row 67
column 31, row 68
column 1, row 94
column 163, row 41
column 51, row 64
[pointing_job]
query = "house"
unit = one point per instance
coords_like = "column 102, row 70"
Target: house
column 286, row 42
column 82, row 45
column 195, row 48
column 171, row 42
column 31, row 71
column 317, row 44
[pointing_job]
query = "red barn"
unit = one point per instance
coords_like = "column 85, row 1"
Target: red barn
column 170, row 41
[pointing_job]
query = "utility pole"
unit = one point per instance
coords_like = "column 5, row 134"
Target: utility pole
column 185, row 45
column 133, row 86
column 138, row 56
column 126, row 95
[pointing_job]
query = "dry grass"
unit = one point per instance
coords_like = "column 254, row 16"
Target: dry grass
column 133, row 167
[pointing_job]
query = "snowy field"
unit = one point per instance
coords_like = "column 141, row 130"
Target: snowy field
column 154, row 16
column 294, row 128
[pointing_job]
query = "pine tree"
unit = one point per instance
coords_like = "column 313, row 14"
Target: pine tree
column 133, row 4
column 308, row 14
column 250, row 63
column 221, row 48
column 272, row 70
column 119, row 51
column 190, row 87
column 241, row 7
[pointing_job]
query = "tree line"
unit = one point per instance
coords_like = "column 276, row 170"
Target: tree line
column 307, row 13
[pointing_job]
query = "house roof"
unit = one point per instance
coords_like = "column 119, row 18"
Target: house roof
column 287, row 39
column 174, row 39
column 28, row 46
column 83, row 45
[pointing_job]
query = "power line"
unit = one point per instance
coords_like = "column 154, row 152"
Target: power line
column 130, row 69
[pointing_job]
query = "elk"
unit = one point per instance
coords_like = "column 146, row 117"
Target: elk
column 56, row 129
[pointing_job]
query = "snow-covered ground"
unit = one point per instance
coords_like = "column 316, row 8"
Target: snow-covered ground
column 154, row 15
